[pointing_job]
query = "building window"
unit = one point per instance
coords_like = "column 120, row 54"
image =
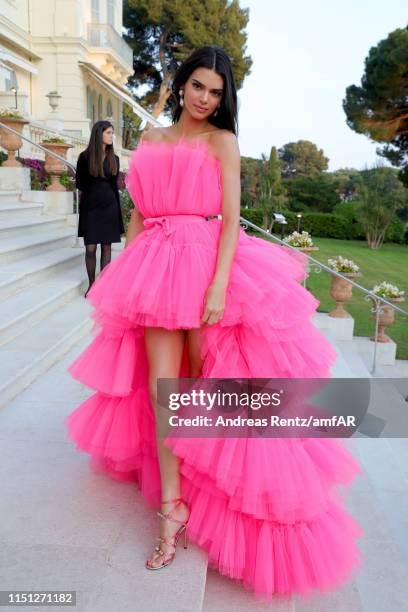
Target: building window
column 95, row 11
column 88, row 102
column 100, row 107
column 93, row 106
column 109, row 109
column 10, row 78
column 111, row 6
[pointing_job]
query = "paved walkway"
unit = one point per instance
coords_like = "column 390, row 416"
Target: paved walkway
column 64, row 527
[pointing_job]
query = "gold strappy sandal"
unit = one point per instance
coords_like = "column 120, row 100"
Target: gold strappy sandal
column 172, row 540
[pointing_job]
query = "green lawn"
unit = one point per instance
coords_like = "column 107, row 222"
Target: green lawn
column 389, row 263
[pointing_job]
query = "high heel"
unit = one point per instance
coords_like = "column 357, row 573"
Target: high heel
column 172, row 540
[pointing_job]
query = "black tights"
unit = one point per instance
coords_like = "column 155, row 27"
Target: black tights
column 90, row 259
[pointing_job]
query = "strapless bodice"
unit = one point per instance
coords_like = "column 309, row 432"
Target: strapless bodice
column 175, row 178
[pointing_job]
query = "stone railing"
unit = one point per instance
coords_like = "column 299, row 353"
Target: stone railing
column 37, row 132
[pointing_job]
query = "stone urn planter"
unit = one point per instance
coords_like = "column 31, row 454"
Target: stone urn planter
column 341, row 291
column 385, row 318
column 308, row 249
column 11, row 142
column 53, row 165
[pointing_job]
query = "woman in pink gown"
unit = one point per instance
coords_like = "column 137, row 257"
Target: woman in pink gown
column 197, row 297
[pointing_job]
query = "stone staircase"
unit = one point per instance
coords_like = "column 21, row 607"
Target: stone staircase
column 42, row 279
column 62, row 524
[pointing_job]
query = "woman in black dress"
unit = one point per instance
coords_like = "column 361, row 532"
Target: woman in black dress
column 100, row 215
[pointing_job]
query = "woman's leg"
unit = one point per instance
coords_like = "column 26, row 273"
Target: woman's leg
column 164, row 350
column 193, row 341
column 106, row 251
column 90, row 262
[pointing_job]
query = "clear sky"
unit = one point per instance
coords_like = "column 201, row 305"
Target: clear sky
column 305, row 53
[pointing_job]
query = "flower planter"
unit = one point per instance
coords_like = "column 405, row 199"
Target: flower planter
column 341, row 291
column 11, row 142
column 54, row 166
column 308, row 249
column 385, row 318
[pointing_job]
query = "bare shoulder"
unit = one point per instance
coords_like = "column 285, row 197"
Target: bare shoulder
column 225, row 146
column 153, row 135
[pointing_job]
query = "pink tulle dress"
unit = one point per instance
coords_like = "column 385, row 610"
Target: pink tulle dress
column 267, row 511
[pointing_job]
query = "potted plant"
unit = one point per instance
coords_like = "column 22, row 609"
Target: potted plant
column 53, row 165
column 11, row 117
column 301, row 240
column 341, row 290
column 387, row 315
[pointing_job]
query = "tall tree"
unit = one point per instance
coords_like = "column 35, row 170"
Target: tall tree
column 163, row 33
column 303, row 158
column 131, row 125
column 379, row 107
column 271, row 194
column 380, row 195
column 249, row 180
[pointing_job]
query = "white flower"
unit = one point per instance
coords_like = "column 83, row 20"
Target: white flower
column 387, row 290
column 5, row 111
column 298, row 239
column 341, row 264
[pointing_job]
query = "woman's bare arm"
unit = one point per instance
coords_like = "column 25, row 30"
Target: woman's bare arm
column 135, row 226
column 229, row 155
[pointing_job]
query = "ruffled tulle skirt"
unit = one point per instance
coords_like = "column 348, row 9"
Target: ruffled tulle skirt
column 269, row 512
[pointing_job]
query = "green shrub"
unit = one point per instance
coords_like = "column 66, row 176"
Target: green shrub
column 252, row 214
column 126, row 205
column 325, row 225
column 396, row 231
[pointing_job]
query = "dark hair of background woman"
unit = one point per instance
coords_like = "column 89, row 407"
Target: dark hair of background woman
column 214, row 58
column 95, row 151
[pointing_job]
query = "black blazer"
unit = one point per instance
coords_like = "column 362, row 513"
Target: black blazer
column 85, row 183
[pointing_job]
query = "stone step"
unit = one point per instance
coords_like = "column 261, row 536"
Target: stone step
column 16, row 248
column 30, row 354
column 353, row 359
column 28, row 316
column 340, row 369
column 20, row 226
column 8, row 197
column 19, row 209
column 23, row 273
column 341, row 328
column 21, row 311
column 386, row 351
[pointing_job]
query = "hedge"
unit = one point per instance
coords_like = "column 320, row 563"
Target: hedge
column 327, row 225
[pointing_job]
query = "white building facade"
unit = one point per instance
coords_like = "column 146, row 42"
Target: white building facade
column 72, row 47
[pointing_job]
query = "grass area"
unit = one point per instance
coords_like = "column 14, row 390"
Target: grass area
column 389, row 263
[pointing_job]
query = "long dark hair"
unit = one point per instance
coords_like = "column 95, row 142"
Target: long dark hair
column 214, row 58
column 95, row 151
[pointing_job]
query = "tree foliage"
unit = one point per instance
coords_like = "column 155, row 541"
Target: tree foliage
column 163, row 33
column 131, row 126
column 314, row 193
column 378, row 107
column 303, row 158
column 380, row 195
column 271, row 192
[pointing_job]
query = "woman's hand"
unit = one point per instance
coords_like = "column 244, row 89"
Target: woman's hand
column 214, row 304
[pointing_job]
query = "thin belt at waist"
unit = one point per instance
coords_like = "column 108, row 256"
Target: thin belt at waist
column 168, row 221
